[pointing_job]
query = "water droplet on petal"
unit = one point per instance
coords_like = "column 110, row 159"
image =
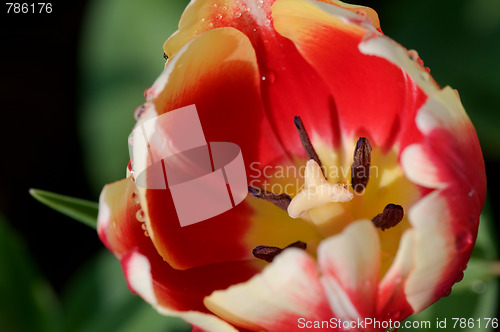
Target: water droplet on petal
column 260, row 3
column 267, row 22
column 218, row 17
column 270, row 77
column 224, row 8
column 394, row 315
column 237, row 14
column 146, row 233
column 210, row 25
column 135, row 198
column 361, row 12
column 144, row 227
column 425, row 76
column 138, row 112
column 463, row 240
column 459, row 277
column 471, row 192
column 246, row 10
column 140, row 215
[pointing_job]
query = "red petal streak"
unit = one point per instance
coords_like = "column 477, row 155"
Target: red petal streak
column 174, row 289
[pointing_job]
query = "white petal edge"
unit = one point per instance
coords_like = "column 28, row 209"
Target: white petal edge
column 442, row 110
column 388, row 49
column 419, row 169
column 288, row 287
column 347, row 15
column 350, row 263
column 433, row 248
column 104, row 214
column 140, row 280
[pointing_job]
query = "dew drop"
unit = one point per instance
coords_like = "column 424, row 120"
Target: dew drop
column 140, row 215
column 237, row 14
column 463, row 241
column 214, row 6
column 267, row 22
column 210, row 25
column 269, row 77
column 135, row 198
column 413, row 55
column 131, row 140
column 146, row 233
column 260, row 3
column 144, row 227
column 246, row 10
column 218, row 17
column 394, row 315
column 138, row 111
column 361, row 12
column 471, row 192
column 224, row 8
column 425, row 75
column 459, row 277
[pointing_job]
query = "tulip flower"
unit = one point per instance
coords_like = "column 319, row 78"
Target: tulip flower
column 366, row 179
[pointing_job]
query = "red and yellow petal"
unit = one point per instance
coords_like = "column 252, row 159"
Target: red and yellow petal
column 370, row 96
column 223, row 83
column 138, row 271
column 179, row 290
column 350, row 266
column 274, row 300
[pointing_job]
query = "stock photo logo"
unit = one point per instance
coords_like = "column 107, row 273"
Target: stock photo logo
column 211, row 174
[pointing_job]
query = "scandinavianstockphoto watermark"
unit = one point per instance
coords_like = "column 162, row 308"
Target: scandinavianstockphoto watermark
column 290, row 179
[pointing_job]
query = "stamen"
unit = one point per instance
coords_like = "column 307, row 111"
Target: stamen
column 306, row 141
column 360, row 169
column 390, row 217
column 280, row 200
column 268, row 253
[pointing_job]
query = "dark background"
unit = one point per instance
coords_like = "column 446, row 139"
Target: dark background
column 41, row 89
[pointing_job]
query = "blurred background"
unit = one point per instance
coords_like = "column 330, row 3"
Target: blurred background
column 70, row 81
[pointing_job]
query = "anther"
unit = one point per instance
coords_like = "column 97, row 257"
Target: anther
column 306, row 141
column 268, row 253
column 390, row 217
column 360, row 169
column 280, row 200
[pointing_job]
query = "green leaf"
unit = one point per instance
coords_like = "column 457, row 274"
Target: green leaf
column 79, row 209
column 98, row 300
column 27, row 302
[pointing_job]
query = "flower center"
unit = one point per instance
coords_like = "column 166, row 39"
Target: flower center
column 378, row 191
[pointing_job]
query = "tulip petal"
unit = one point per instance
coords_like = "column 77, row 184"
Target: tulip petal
column 419, row 167
column 226, row 75
column 433, row 250
column 350, row 265
column 391, row 301
column 138, row 272
column 364, row 89
column 275, row 299
column 179, row 290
